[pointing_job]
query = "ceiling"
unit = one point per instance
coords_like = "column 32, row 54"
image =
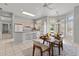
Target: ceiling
column 37, row 9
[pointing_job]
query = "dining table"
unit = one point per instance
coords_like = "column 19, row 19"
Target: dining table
column 52, row 43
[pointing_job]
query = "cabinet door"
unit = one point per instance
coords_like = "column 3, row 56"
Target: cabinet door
column 27, row 34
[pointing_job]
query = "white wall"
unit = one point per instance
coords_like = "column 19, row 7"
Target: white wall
column 76, row 24
column 0, row 31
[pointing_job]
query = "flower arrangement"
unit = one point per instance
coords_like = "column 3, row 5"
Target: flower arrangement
column 57, row 36
column 45, row 37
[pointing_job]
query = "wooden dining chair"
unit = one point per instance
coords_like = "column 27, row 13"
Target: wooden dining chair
column 59, row 44
column 41, row 47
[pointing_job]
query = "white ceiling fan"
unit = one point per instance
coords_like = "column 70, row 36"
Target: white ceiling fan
column 47, row 5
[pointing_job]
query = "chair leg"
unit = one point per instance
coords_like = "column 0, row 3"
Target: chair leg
column 33, row 49
column 41, row 52
column 49, row 52
column 59, row 49
column 62, row 46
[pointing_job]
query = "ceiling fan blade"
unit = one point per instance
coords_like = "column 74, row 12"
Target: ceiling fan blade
column 49, row 3
column 45, row 4
column 49, row 8
column 6, row 4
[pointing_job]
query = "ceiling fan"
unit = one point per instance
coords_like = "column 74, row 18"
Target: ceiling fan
column 47, row 5
column 6, row 4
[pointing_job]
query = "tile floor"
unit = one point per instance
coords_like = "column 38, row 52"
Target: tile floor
column 10, row 48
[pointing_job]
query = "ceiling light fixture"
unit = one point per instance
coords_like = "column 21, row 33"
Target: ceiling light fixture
column 26, row 13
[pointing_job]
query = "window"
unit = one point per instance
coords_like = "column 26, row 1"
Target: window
column 69, row 28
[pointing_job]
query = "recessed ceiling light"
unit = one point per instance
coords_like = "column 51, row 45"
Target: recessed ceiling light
column 27, row 13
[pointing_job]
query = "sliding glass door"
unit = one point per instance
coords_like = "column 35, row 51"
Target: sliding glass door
column 69, row 28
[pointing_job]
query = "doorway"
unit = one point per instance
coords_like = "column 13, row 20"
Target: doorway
column 6, row 25
column 5, row 28
column 6, row 31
